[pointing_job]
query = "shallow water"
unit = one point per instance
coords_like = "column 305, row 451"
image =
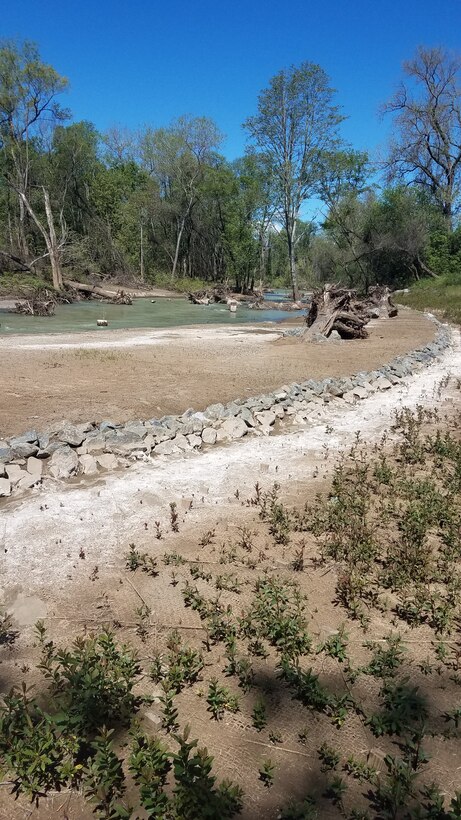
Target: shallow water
column 162, row 313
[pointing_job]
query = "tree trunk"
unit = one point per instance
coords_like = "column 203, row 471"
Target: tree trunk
column 52, row 245
column 290, row 229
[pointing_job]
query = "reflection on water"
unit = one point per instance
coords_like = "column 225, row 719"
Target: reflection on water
column 142, row 313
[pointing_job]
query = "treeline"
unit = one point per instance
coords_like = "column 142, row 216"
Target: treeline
column 162, row 204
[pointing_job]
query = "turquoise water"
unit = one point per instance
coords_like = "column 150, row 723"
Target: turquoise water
column 82, row 316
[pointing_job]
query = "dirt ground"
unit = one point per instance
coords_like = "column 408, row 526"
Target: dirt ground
column 124, row 375
column 74, row 539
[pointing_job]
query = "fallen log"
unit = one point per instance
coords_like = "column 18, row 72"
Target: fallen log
column 117, row 297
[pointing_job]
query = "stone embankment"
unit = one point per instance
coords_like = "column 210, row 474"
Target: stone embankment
column 66, row 449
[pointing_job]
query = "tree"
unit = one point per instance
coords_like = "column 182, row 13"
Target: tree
column 295, row 125
column 28, row 91
column 178, row 157
column 426, row 147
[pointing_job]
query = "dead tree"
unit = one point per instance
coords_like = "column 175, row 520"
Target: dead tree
column 337, row 308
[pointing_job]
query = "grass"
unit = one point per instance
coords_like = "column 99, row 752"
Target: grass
column 20, row 285
column 442, row 295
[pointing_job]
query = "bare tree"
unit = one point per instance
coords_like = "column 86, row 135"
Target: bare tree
column 426, row 147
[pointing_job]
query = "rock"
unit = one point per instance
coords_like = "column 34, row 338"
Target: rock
column 247, row 416
column 232, row 428
column 215, row 411
column 64, row 462
column 95, row 443
column 71, row 434
column 15, row 473
column 107, row 425
column 172, row 423
column 107, row 461
column 34, row 466
column 136, row 427
column 194, row 440
column 29, row 481
column 382, row 383
column 166, row 448
column 88, row 464
column 123, row 442
column 334, row 336
column 24, row 450
column 209, row 435
column 278, row 411
column 349, row 397
column 30, row 437
column 267, row 418
column 6, row 454
column 359, row 392
column 181, row 442
column 5, row 487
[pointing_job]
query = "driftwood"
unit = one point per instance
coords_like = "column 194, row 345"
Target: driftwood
column 218, row 295
column 379, row 303
column 335, row 308
column 119, row 297
column 35, row 307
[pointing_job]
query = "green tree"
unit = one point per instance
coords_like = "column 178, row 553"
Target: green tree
column 28, row 91
column 295, row 125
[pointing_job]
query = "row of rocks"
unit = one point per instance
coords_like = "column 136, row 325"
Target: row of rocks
column 66, row 449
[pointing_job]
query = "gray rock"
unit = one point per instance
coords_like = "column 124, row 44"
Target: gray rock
column 107, row 425
column 209, row 435
column 30, row 437
column 334, row 336
column 359, row 392
column 24, row 450
column 64, row 462
column 172, row 423
column 6, row 454
column 88, row 464
column 181, row 442
column 247, row 416
column 71, row 434
column 5, row 487
column 136, row 427
column 107, row 461
column 166, row 448
column 95, row 443
column 215, row 411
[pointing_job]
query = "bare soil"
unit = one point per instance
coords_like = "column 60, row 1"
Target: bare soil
column 124, row 375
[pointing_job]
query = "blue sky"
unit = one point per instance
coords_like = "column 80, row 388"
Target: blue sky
column 146, row 62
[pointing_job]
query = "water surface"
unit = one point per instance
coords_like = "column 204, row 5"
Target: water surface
column 82, row 316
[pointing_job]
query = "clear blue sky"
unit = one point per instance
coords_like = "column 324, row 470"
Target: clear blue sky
column 146, row 62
